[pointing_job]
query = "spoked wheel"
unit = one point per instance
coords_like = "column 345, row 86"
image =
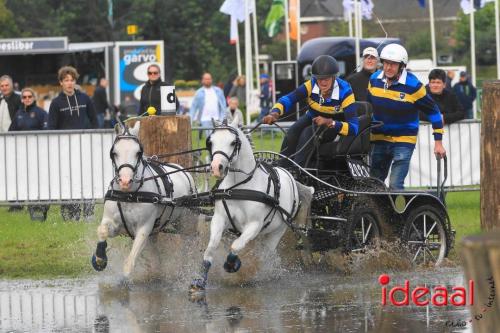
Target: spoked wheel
column 363, row 229
column 426, row 236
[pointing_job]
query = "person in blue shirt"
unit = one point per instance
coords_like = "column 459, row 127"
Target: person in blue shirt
column 397, row 96
column 331, row 110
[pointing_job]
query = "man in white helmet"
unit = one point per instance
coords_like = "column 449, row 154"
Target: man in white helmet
column 397, row 96
column 359, row 80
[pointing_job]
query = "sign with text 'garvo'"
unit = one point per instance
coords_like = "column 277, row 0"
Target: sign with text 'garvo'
column 167, row 94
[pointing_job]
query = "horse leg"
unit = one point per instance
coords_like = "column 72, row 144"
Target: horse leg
column 140, row 240
column 107, row 228
column 233, row 262
column 216, row 228
column 154, row 257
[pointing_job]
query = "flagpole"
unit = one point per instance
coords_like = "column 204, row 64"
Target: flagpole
column 248, row 61
column 473, row 51
column 256, row 45
column 238, row 55
column 497, row 28
column 350, row 24
column 298, row 27
column 287, row 32
column 433, row 33
column 356, row 32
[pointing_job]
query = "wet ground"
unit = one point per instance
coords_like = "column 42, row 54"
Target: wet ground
column 294, row 302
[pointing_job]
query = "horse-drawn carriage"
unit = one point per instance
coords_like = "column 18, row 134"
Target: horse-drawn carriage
column 260, row 194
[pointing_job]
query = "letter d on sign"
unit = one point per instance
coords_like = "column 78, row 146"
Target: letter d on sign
column 167, row 94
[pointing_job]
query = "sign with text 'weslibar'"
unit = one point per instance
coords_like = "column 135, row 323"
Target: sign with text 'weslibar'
column 33, row 45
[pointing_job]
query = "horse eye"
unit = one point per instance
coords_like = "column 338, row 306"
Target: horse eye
column 233, row 143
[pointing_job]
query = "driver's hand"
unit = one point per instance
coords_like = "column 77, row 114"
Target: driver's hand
column 439, row 150
column 322, row 121
column 270, row 118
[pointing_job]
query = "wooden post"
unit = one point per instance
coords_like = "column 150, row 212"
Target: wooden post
column 490, row 156
column 481, row 258
column 166, row 134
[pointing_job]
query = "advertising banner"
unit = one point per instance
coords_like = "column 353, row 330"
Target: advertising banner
column 131, row 62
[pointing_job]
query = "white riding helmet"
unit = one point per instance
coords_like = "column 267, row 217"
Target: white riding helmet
column 394, row 52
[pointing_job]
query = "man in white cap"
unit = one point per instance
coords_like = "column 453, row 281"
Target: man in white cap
column 359, row 80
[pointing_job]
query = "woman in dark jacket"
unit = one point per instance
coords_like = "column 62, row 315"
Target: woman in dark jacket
column 29, row 117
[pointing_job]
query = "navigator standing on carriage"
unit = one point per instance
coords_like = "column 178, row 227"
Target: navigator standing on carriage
column 396, row 96
column 331, row 108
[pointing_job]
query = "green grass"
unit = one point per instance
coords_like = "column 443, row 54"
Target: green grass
column 464, row 212
column 49, row 249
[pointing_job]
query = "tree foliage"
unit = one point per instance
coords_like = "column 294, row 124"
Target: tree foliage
column 484, row 20
column 195, row 33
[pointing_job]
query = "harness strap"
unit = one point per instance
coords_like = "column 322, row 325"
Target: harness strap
column 118, row 203
column 167, row 182
column 234, row 230
column 145, row 197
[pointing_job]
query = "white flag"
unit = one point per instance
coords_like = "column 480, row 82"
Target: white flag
column 366, row 8
column 468, row 6
column 236, row 10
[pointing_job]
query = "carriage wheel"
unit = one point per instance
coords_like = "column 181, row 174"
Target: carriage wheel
column 425, row 234
column 363, row 229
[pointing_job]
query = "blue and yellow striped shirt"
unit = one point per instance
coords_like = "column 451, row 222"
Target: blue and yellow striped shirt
column 339, row 106
column 397, row 107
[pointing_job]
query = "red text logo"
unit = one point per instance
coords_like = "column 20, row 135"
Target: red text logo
column 419, row 296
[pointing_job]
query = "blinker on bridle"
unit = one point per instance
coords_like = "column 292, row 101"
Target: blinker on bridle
column 236, row 143
column 126, row 135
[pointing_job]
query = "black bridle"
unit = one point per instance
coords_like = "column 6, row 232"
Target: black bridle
column 236, row 144
column 112, row 154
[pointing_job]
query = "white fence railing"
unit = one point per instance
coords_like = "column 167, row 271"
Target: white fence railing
column 61, row 166
column 46, row 310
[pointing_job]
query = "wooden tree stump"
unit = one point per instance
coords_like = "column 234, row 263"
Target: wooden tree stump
column 481, row 254
column 490, row 156
column 166, row 134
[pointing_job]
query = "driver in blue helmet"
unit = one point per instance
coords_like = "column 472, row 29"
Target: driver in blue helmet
column 331, row 109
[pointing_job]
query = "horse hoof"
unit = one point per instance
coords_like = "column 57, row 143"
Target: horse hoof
column 99, row 264
column 232, row 264
column 197, row 285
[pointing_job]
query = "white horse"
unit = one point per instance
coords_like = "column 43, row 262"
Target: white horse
column 131, row 206
column 251, row 198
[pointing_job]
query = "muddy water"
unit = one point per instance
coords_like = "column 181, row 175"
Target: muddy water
column 295, row 302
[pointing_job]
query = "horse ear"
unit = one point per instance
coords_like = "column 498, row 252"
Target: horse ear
column 224, row 122
column 119, row 129
column 135, row 130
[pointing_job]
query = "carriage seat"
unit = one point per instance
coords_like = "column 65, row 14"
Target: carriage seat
column 340, row 145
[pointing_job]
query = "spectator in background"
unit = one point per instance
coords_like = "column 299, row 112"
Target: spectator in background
column 129, row 108
column 233, row 112
column 447, row 101
column 265, row 96
column 29, row 117
column 100, row 100
column 150, row 93
column 10, row 102
column 72, row 109
column 450, row 76
column 208, row 103
column 466, row 94
column 239, row 90
column 359, row 81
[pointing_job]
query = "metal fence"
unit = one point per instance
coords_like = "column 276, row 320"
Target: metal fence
column 73, row 166
column 46, row 310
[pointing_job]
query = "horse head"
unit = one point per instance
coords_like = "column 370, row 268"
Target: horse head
column 126, row 155
column 224, row 145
